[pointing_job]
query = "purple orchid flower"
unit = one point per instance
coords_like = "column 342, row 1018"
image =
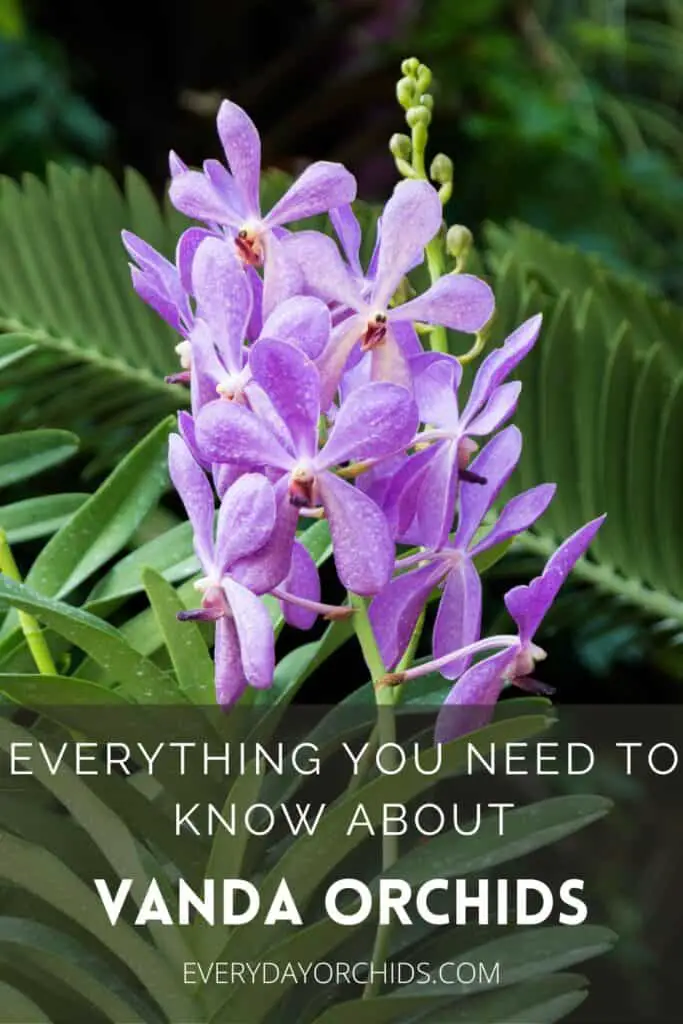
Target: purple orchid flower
column 166, row 286
column 375, row 421
column 421, row 498
column 245, row 643
column 410, row 220
column 231, row 200
column 224, row 310
column 395, row 611
column 470, row 703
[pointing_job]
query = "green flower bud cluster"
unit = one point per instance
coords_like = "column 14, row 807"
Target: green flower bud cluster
column 412, row 92
column 409, row 153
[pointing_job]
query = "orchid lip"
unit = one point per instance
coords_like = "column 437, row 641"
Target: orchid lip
column 248, row 245
column 375, row 332
column 301, row 485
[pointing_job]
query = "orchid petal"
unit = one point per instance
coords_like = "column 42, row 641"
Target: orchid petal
column 529, row 604
column 229, row 432
column 196, row 495
column 303, row 321
column 282, row 275
column 193, row 194
column 207, row 369
column 231, row 681
column 224, row 476
column 187, row 246
column 436, row 380
column 396, row 609
column 245, row 519
column 335, row 357
column 435, row 492
column 458, row 620
column 321, row 187
column 324, row 270
column 223, row 298
column 495, row 463
column 228, row 189
column 459, row 301
column 388, row 363
column 375, row 420
column 518, row 515
column 363, row 548
column 242, row 147
column 501, row 362
column 302, row 580
column 187, row 432
column 255, row 324
column 347, row 228
column 292, row 384
column 254, row 632
column 269, row 566
column 410, row 219
column 497, row 410
column 470, row 703
column 155, row 292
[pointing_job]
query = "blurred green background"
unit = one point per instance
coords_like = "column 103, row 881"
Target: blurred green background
column 563, row 113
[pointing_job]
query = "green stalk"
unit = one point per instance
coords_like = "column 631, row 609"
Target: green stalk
column 385, row 732
column 35, row 639
column 386, row 698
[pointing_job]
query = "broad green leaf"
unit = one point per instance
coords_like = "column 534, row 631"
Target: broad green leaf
column 107, row 831
column 39, row 691
column 310, row 859
column 38, row 517
column 36, row 870
column 59, row 956
column 523, row 956
column 107, row 520
column 191, row 660
column 13, row 347
column 171, row 554
column 25, row 454
column 16, row 1008
column 72, row 313
column 600, row 412
column 535, row 1002
column 226, row 859
column 526, row 829
column 139, row 677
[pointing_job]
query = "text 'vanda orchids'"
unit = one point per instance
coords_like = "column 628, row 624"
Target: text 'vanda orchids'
column 313, row 397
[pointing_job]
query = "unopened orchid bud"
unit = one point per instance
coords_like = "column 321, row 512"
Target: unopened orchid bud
column 441, row 170
column 427, row 100
column 418, row 115
column 400, row 147
column 459, row 241
column 424, row 77
column 409, row 66
column 406, row 92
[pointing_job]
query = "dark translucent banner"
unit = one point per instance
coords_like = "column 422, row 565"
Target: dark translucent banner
column 179, row 864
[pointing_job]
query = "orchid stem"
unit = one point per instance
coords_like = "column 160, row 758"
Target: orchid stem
column 384, row 733
column 35, row 639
